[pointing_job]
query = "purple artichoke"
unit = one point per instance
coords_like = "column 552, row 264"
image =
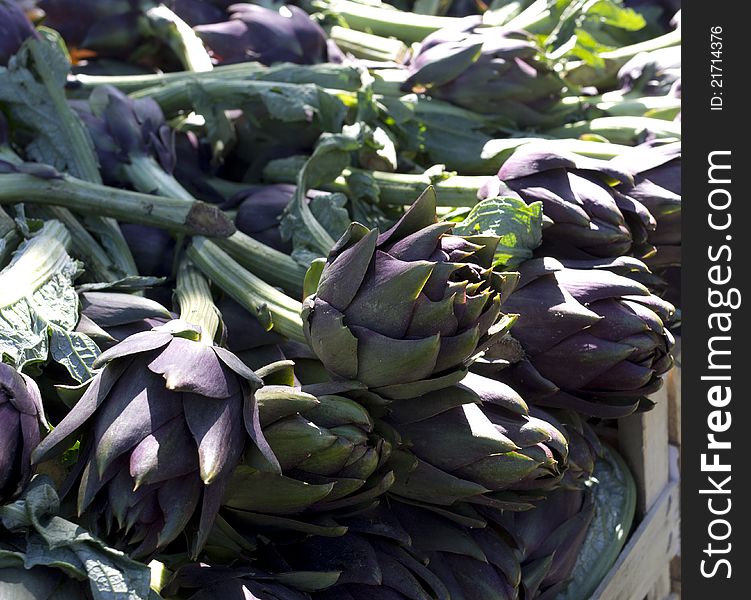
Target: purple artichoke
column 405, row 311
column 125, row 131
column 507, row 459
column 488, row 70
column 589, row 340
column 15, row 27
column 590, row 219
column 20, row 416
column 254, row 33
column 259, row 213
column 167, row 421
column 657, row 186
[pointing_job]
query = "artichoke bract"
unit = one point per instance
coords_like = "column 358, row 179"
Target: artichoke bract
column 488, row 70
column 15, row 27
column 593, row 341
column 21, row 414
column 330, row 455
column 548, row 539
column 405, row 311
column 588, row 218
column 657, row 185
column 167, row 420
column 255, row 33
column 508, row 458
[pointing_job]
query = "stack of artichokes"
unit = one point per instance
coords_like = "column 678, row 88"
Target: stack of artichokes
column 255, row 344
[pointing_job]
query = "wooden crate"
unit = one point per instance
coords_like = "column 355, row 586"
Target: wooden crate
column 648, row 567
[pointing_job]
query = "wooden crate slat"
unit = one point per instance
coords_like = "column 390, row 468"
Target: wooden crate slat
column 643, row 441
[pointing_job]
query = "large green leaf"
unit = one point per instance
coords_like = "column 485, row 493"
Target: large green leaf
column 517, row 224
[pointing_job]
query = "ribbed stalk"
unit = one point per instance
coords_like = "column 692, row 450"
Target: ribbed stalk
column 620, row 130
column 179, row 216
column 368, row 46
column 387, row 22
column 272, row 308
column 195, row 301
column 85, row 166
column 180, row 37
column 274, row 266
column 395, row 188
column 615, row 104
column 41, row 257
column 326, row 75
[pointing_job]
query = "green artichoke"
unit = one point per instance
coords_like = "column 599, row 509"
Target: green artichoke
column 405, row 311
column 21, row 414
column 166, row 422
column 475, row 442
column 589, row 340
column 330, row 455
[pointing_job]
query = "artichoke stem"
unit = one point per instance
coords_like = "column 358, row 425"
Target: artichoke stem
column 179, row 216
column 274, row 266
column 368, row 46
column 196, row 303
column 85, row 164
column 272, row 308
column 180, row 37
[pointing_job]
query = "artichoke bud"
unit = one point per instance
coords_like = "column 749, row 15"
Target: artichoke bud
column 167, row 420
column 595, row 341
column 124, row 129
column 507, row 456
column 21, row 415
column 406, row 311
column 590, row 216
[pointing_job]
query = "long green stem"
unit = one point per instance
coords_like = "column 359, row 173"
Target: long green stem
column 195, row 301
column 179, row 36
column 628, row 131
column 368, row 46
column 84, row 165
column 192, row 218
column 272, row 308
column 275, row 267
column 326, row 75
column 388, row 22
column 619, row 105
column 395, row 188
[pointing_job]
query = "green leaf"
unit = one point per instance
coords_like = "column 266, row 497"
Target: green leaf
column 518, row 225
column 39, row 306
column 617, row 16
column 59, row 544
column 33, row 89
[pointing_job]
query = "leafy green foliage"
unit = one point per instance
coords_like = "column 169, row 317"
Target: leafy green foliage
column 518, row 225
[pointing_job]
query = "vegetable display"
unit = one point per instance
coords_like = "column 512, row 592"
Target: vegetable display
column 330, row 300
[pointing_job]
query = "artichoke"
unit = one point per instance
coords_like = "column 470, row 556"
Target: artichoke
column 657, row 185
column 589, row 218
column 488, row 70
column 260, row 211
column 126, row 132
column 475, row 442
column 656, row 73
column 20, row 416
column 330, row 455
column 404, row 312
column 255, row 33
column 589, row 340
column 166, row 420
column 548, row 539
column 15, row 27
